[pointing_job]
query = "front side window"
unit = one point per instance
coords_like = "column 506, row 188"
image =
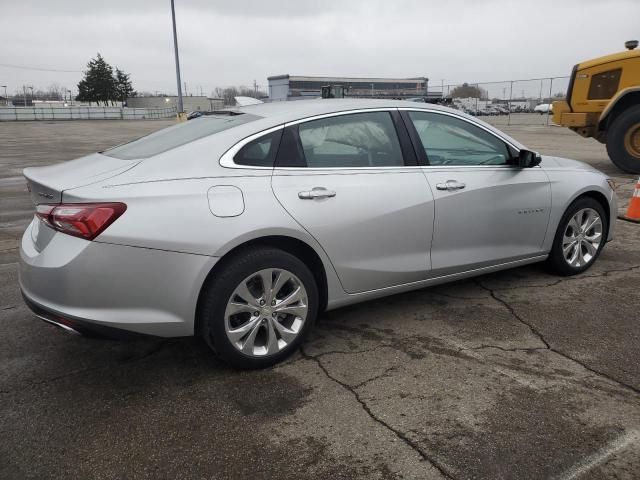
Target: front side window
column 604, row 85
column 351, row 141
column 451, row 141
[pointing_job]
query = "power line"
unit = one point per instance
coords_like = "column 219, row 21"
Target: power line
column 22, row 67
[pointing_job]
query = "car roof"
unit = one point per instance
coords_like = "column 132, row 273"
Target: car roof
column 296, row 109
column 277, row 113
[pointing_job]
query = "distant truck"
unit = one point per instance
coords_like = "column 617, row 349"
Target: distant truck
column 603, row 102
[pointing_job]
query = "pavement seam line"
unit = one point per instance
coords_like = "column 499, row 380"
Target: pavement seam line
column 600, row 456
column 406, row 440
column 548, row 345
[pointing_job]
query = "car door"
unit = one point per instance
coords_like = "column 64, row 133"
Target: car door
column 355, row 186
column 487, row 210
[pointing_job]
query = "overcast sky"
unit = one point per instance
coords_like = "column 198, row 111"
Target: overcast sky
column 235, row 42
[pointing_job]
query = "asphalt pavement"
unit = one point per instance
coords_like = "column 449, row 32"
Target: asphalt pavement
column 512, row 375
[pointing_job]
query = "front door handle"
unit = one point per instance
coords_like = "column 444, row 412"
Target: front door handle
column 316, row 192
column 450, row 185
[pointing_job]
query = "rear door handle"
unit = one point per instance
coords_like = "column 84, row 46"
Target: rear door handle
column 450, row 185
column 316, row 192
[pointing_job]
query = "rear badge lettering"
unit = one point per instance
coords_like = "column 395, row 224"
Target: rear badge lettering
column 45, row 195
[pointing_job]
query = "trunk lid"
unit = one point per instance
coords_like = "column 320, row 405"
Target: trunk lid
column 47, row 184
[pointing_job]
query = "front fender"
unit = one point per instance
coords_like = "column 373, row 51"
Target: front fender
column 567, row 186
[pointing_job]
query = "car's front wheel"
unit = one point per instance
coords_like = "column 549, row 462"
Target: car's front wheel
column 580, row 237
column 258, row 307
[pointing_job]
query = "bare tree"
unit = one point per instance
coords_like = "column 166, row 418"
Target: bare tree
column 55, row 92
column 468, row 91
column 229, row 93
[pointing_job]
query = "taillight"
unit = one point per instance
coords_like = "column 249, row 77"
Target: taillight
column 84, row 220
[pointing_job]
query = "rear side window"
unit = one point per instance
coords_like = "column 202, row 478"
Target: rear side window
column 351, row 141
column 604, row 85
column 177, row 135
column 260, row 152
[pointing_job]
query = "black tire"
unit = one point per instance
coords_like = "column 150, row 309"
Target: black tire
column 221, row 285
column 622, row 158
column 556, row 261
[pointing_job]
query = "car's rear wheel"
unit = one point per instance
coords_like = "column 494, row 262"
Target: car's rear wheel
column 580, row 237
column 258, row 308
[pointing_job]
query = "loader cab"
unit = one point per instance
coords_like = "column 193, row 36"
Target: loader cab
column 333, row 91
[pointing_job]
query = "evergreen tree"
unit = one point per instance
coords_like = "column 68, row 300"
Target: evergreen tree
column 123, row 85
column 98, row 84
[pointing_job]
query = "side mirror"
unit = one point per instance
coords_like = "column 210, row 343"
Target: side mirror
column 528, row 159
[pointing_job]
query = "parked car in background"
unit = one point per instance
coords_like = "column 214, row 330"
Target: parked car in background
column 195, row 114
column 242, row 227
column 543, row 108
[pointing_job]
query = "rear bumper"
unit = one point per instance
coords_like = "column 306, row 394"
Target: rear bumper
column 76, row 326
column 99, row 288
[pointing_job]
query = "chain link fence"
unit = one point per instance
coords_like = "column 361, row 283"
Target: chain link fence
column 508, row 102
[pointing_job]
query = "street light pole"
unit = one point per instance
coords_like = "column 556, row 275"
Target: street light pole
column 175, row 47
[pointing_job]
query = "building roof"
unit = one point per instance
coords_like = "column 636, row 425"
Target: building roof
column 347, row 79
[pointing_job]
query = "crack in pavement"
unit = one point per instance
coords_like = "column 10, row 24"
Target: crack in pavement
column 354, row 352
column 402, row 436
column 548, row 346
column 497, row 347
column 377, row 377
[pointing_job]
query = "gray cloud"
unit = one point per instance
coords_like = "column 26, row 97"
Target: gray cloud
column 237, row 42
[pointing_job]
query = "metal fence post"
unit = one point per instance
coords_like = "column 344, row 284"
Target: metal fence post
column 510, row 98
column 550, row 93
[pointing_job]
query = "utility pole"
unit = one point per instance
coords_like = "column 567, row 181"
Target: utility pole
column 185, row 90
column 175, row 47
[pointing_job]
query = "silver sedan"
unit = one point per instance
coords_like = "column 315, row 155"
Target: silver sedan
column 241, row 227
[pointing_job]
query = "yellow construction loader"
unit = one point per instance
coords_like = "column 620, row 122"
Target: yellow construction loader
column 603, row 102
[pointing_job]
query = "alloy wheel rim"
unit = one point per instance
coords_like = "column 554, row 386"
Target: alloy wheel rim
column 266, row 312
column 582, row 237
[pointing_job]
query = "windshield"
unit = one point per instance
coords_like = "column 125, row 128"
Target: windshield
column 177, row 135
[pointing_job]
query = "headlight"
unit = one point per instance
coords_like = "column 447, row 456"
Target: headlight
column 612, row 184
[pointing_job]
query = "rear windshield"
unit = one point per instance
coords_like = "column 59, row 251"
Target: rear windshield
column 177, row 135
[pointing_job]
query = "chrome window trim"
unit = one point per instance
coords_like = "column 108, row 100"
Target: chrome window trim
column 226, row 160
column 337, row 114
